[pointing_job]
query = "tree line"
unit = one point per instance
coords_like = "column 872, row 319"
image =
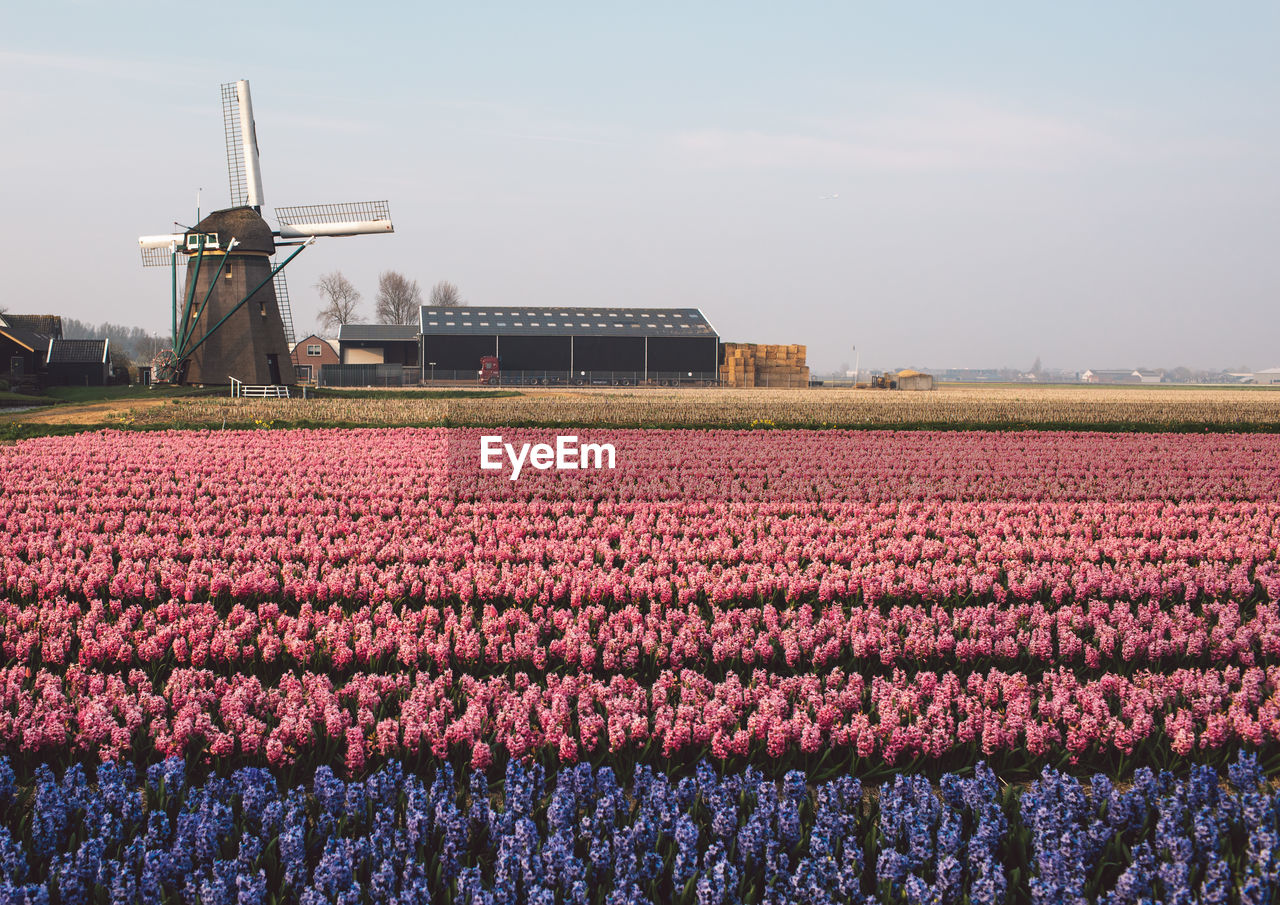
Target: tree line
column 397, row 301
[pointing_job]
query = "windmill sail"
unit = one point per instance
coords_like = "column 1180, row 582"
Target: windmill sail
column 157, row 256
column 356, row 218
column 235, row 148
column 243, row 169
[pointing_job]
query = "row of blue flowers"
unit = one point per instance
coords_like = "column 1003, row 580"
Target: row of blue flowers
column 580, row 837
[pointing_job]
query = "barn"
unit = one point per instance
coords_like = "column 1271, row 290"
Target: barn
column 621, row 346
column 79, row 362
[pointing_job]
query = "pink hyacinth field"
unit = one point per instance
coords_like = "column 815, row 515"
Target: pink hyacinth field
column 842, row 601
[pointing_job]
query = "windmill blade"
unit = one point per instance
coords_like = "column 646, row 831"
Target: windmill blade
column 358, row 218
column 157, row 250
column 282, row 302
column 243, row 169
column 235, row 150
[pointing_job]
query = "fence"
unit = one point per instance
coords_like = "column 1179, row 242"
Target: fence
column 372, row 375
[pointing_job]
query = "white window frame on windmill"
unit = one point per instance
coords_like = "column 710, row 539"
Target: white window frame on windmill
column 210, row 241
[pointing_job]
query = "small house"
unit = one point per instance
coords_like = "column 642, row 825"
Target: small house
column 311, row 355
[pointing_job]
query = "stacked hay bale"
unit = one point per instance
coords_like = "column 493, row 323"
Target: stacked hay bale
column 761, row 365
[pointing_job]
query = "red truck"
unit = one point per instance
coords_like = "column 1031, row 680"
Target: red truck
column 490, row 372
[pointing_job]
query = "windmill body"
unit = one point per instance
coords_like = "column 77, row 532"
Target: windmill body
column 251, row 345
column 232, row 320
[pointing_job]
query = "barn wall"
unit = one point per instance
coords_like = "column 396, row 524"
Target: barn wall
column 456, row 353
column 77, row 374
column 684, row 354
column 543, row 352
column 534, row 353
column 608, row 353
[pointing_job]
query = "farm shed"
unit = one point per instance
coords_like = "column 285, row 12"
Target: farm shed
column 378, row 344
column 914, row 380
column 571, row 344
column 79, row 362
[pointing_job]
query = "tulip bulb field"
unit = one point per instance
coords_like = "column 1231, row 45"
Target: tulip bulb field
column 740, row 666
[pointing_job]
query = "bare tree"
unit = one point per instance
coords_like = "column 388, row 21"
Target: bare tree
column 341, row 298
column 399, row 298
column 445, row 295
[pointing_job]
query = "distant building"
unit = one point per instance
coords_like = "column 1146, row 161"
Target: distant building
column 972, row 375
column 310, row 355
column 1137, row 375
column 1269, row 377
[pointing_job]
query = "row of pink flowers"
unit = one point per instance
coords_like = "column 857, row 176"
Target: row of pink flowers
column 115, row 635
column 377, row 516
column 683, row 713
column 846, row 466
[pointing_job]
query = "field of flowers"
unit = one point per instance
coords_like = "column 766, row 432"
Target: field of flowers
column 350, row 666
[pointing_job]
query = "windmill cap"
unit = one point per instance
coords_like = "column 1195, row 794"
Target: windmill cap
column 244, row 224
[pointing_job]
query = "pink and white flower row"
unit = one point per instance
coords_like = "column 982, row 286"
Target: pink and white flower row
column 118, row 636
column 321, row 516
column 683, row 713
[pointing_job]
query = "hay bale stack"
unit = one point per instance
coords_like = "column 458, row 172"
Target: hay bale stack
column 761, row 365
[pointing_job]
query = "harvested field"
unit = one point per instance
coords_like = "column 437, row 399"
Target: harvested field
column 1115, row 407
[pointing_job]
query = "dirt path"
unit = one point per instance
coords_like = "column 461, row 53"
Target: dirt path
column 80, row 413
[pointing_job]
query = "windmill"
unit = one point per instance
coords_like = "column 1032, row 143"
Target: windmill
column 233, row 319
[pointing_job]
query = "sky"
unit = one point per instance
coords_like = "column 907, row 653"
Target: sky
column 946, row 185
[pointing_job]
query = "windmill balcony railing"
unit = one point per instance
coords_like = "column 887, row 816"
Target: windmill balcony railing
column 239, row 389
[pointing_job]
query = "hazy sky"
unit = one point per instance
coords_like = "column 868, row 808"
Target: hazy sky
column 943, row 184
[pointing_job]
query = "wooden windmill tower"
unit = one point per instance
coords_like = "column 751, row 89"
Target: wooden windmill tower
column 233, row 319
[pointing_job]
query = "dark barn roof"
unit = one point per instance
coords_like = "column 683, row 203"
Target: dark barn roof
column 33, row 341
column 524, row 321
column 77, row 351
column 47, row 325
column 378, row 333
